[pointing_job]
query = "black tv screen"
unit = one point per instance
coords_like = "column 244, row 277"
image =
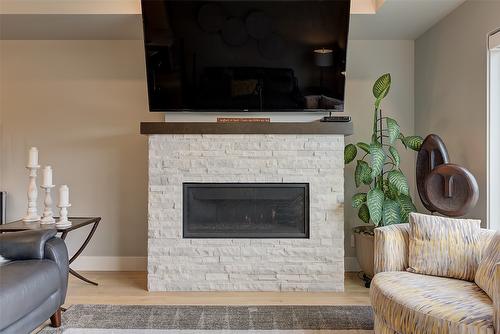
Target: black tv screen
column 245, row 55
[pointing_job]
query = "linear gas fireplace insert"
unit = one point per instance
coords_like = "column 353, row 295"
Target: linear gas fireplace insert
column 246, row 210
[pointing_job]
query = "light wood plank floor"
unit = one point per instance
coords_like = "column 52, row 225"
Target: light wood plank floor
column 130, row 288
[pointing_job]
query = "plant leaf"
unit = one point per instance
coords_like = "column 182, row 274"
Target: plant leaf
column 413, row 142
column 375, row 202
column 378, row 159
column 350, row 152
column 402, row 138
column 364, row 214
column 393, row 129
column 363, row 173
column 390, row 191
column 357, row 173
column 381, row 86
column 395, row 155
column 398, row 181
column 407, row 206
column 364, row 146
column 358, row 200
column 391, row 213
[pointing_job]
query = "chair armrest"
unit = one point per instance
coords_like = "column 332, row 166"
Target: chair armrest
column 486, row 236
column 496, row 298
column 25, row 245
column 391, row 248
column 55, row 250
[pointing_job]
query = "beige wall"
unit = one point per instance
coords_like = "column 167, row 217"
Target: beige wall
column 450, row 86
column 366, row 61
column 80, row 103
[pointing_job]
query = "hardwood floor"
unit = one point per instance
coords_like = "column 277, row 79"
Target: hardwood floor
column 130, row 288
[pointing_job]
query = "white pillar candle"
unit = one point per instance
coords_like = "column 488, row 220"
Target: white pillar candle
column 47, row 176
column 33, row 157
column 63, row 195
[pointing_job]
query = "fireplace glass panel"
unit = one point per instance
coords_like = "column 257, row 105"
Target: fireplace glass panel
column 246, row 210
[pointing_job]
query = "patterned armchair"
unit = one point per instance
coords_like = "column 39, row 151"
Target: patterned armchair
column 404, row 302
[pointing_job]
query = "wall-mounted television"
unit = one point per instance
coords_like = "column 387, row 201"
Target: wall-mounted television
column 246, row 55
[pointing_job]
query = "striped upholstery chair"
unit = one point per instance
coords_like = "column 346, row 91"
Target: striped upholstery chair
column 405, row 303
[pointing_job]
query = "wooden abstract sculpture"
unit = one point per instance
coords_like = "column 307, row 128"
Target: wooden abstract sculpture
column 444, row 187
column 432, row 153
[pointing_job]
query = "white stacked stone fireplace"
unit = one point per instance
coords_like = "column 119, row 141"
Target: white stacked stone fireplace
column 314, row 263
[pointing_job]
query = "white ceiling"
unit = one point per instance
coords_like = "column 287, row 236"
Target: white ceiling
column 401, row 19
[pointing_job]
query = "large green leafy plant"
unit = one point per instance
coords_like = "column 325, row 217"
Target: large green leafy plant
column 387, row 199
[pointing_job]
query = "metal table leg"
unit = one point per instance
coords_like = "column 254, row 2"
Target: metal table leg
column 79, row 251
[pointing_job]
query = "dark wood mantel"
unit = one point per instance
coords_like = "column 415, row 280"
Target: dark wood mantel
column 333, row 128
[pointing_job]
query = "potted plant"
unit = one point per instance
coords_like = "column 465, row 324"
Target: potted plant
column 386, row 198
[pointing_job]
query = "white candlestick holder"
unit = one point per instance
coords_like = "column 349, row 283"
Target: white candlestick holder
column 32, row 214
column 63, row 216
column 47, row 217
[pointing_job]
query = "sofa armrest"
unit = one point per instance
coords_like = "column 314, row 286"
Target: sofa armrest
column 55, row 250
column 25, row 245
column 391, row 248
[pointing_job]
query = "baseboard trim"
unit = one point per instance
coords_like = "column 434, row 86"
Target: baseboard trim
column 139, row 263
column 351, row 264
column 110, row 263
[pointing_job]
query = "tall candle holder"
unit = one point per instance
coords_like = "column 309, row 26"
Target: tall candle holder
column 47, row 217
column 32, row 214
column 63, row 216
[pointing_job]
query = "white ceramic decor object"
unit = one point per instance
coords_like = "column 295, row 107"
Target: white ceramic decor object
column 33, row 157
column 47, row 176
column 32, row 213
column 63, row 206
column 63, row 219
column 63, row 195
column 47, row 217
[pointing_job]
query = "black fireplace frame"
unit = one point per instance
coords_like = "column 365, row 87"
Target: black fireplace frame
column 256, row 235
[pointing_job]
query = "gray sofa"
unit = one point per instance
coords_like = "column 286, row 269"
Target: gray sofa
column 33, row 283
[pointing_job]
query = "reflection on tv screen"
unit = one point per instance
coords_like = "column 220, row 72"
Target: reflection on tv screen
column 246, row 55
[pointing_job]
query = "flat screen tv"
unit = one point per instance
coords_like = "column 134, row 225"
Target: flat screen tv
column 246, row 55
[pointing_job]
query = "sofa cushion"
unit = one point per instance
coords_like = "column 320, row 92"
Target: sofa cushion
column 485, row 275
column 442, row 246
column 413, row 303
column 25, row 285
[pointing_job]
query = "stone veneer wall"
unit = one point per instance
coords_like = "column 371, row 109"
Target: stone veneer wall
column 315, row 264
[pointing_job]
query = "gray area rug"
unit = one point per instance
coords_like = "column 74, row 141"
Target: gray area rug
column 131, row 319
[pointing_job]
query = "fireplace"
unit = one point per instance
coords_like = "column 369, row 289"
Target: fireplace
column 245, row 210
column 194, row 178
